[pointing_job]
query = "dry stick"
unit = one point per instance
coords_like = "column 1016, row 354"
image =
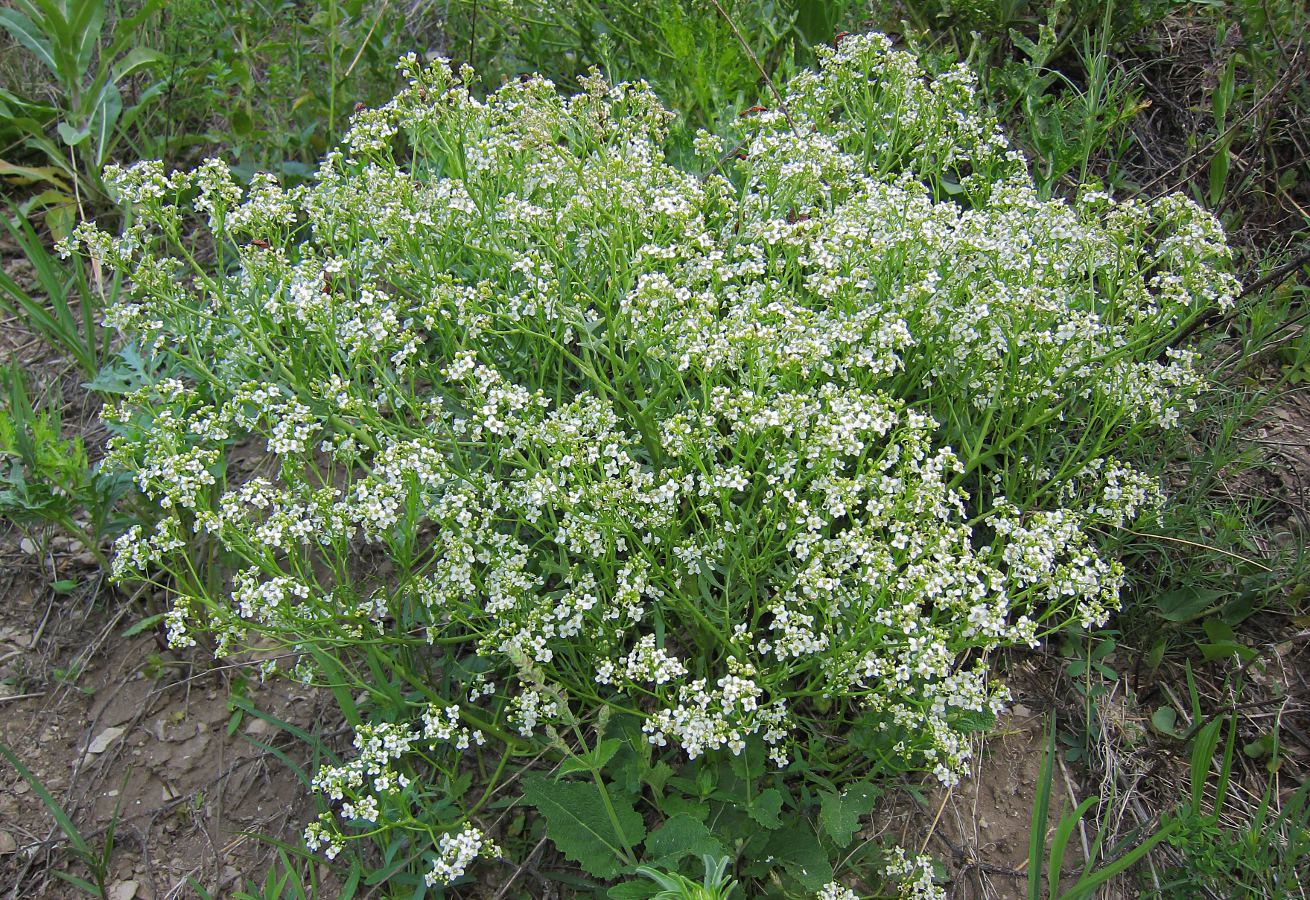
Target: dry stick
column 1280, row 87
column 1278, row 275
column 364, row 44
column 530, row 863
column 782, row 104
column 935, row 819
column 1187, row 543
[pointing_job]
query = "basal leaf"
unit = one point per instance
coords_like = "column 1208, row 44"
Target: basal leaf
column 679, row 837
column 580, row 826
column 765, row 808
column 839, row 814
column 798, row 852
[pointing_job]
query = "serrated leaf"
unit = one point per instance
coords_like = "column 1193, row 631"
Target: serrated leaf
column 679, row 837
column 840, row 814
column 765, row 808
column 579, row 825
column 798, row 852
column 657, row 775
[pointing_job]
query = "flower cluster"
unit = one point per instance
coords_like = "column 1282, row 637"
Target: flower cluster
column 456, row 852
column 914, row 875
column 822, row 426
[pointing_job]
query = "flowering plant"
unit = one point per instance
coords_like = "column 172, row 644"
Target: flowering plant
column 547, row 445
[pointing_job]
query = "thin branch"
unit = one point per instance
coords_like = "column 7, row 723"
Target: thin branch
column 782, row 104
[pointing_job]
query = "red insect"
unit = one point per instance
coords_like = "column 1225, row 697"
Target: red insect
column 754, row 110
column 261, row 244
column 839, row 36
column 360, row 107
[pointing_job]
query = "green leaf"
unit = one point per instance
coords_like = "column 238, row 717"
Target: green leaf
column 242, row 124
column 633, row 890
column 1165, row 721
column 72, row 136
column 593, row 760
column 679, row 837
column 579, row 824
column 657, row 775
column 1186, row 604
column 22, row 29
column 840, row 814
column 1223, row 643
column 144, row 625
column 80, row 846
column 1041, row 808
column 765, row 808
column 798, row 852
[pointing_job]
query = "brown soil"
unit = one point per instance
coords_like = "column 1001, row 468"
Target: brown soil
column 120, row 731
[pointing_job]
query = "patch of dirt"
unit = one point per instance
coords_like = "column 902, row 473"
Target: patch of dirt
column 118, row 729
column 979, row 829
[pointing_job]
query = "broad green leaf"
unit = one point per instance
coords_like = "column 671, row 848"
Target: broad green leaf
column 765, row 808
column 1165, row 721
column 579, row 824
column 1186, row 604
column 840, row 814
column 72, row 136
column 104, row 121
column 84, row 30
column 137, row 58
column 677, row 838
column 798, row 851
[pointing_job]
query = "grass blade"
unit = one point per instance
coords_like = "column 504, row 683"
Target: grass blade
column 1041, row 805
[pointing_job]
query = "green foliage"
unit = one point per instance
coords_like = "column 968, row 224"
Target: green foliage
column 678, row 837
column 45, row 477
column 1046, row 860
column 716, row 885
column 705, row 63
column 722, row 462
column 840, row 814
column 590, row 823
column 1246, row 144
column 1261, row 853
column 65, row 306
column 273, row 83
column 90, row 71
column 94, row 858
column 1064, row 123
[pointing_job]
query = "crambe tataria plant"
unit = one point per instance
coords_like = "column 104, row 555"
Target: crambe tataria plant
column 543, row 426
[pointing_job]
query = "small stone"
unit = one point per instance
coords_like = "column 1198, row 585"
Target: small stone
column 1021, row 711
column 7, row 843
column 124, row 890
column 104, row 740
column 28, row 546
